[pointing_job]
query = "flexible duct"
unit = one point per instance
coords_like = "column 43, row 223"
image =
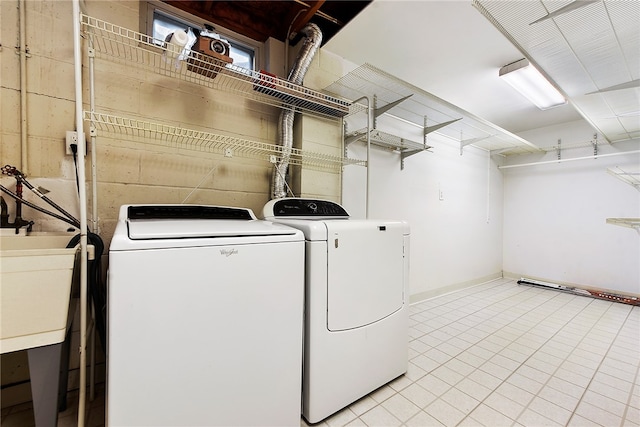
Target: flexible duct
column 285, row 125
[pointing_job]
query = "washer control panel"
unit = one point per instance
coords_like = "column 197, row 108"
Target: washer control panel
column 187, row 212
column 304, row 208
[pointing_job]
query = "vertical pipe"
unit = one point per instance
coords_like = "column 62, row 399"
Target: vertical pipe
column 23, row 87
column 94, row 161
column 77, row 60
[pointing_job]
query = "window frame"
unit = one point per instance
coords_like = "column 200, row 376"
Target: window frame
column 149, row 7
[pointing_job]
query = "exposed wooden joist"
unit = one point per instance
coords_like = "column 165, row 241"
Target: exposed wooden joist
column 304, row 19
column 261, row 19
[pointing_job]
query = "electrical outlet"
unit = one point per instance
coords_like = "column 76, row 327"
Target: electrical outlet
column 72, row 138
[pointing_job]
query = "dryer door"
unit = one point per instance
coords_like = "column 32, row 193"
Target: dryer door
column 365, row 272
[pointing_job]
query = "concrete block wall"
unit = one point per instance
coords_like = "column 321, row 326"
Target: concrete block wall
column 130, row 170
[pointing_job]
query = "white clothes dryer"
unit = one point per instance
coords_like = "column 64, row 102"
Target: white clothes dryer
column 356, row 302
column 205, row 315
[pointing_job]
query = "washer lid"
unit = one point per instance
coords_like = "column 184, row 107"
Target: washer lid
column 150, row 222
column 202, row 228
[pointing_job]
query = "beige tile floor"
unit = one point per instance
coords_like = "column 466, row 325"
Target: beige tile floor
column 503, row 354
column 497, row 354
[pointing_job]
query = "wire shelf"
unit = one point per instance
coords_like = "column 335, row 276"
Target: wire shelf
column 420, row 105
column 631, row 178
column 386, row 140
column 143, row 51
column 194, row 140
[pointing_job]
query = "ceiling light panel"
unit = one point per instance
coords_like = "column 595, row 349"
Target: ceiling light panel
column 527, row 80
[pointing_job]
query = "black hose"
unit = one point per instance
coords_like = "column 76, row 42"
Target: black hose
column 74, row 150
column 38, row 208
column 48, row 200
column 96, row 288
column 21, row 179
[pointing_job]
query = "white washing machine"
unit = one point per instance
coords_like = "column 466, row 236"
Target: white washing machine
column 205, row 315
column 356, row 309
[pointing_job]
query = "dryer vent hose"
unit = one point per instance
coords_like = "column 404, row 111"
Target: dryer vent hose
column 285, row 125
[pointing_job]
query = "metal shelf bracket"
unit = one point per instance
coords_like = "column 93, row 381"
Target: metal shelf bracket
column 352, row 138
column 631, row 178
column 429, row 129
column 378, row 111
column 633, row 223
column 407, row 153
column 465, row 142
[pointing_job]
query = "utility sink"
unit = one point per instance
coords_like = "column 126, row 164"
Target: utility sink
column 36, row 273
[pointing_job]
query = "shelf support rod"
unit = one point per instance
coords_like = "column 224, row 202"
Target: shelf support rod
column 620, row 153
column 424, row 132
column 371, row 109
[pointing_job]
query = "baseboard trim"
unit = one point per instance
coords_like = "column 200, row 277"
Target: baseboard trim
column 422, row 296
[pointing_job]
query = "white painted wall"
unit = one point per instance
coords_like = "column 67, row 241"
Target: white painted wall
column 456, row 241
column 555, row 214
column 546, row 221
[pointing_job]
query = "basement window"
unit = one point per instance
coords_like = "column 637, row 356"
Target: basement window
column 159, row 20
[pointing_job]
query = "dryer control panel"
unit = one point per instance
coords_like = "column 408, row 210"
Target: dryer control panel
column 304, row 208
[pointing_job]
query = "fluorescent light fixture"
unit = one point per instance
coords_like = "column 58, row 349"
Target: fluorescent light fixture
column 527, row 80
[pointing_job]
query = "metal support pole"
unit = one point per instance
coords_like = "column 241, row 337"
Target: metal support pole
column 77, row 59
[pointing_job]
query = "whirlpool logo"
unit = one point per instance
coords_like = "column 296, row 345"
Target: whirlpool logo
column 228, row 252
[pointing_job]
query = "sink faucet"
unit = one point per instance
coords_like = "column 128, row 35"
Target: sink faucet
column 19, row 222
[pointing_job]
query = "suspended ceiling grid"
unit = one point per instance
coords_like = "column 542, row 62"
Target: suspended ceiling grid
column 370, row 81
column 590, row 49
